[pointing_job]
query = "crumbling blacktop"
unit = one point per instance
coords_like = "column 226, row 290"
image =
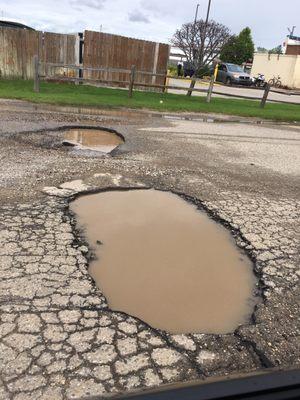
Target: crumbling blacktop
column 58, row 337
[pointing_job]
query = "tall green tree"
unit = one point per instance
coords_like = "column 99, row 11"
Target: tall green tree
column 239, row 48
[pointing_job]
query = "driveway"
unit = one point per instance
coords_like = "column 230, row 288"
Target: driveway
column 59, row 339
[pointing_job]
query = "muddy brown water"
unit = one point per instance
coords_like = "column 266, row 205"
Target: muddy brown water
column 93, row 139
column 162, row 260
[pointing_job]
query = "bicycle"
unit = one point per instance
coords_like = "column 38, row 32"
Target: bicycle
column 275, row 81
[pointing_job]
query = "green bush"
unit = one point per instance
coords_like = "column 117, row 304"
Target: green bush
column 172, row 70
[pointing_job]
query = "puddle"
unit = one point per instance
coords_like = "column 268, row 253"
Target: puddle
column 165, row 262
column 92, row 139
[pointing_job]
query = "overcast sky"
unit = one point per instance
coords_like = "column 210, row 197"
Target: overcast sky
column 156, row 19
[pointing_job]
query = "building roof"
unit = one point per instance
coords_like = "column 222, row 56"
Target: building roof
column 13, row 23
column 296, row 38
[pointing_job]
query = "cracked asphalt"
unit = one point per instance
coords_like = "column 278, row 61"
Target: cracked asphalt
column 58, row 337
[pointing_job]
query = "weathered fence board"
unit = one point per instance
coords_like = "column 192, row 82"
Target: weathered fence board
column 113, row 51
column 17, row 48
column 60, row 49
column 162, row 62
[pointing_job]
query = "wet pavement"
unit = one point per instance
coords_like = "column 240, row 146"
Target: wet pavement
column 58, row 337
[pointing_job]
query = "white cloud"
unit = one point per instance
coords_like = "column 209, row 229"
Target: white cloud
column 81, row 4
column 267, row 20
column 138, row 16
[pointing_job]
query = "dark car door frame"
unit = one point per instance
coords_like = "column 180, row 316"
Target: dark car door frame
column 265, row 385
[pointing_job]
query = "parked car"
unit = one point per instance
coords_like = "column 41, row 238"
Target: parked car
column 233, row 74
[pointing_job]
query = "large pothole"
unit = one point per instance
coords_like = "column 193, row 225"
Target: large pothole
column 100, row 140
column 162, row 260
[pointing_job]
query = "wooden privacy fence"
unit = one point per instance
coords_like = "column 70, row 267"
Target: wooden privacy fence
column 131, row 80
column 88, row 50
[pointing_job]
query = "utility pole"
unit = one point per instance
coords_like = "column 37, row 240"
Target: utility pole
column 201, row 53
column 204, row 31
column 194, row 35
column 207, row 15
column 196, row 13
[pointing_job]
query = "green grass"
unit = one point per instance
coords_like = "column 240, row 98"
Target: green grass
column 82, row 95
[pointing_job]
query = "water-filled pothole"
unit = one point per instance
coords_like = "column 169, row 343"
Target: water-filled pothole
column 92, row 139
column 162, row 260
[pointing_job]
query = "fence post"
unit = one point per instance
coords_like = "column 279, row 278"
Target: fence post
column 36, row 85
column 265, row 95
column 47, row 75
column 212, row 80
column 192, row 85
column 210, row 88
column 166, row 84
column 131, row 83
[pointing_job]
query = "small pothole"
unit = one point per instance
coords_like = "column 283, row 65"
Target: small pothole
column 100, row 140
column 162, row 260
